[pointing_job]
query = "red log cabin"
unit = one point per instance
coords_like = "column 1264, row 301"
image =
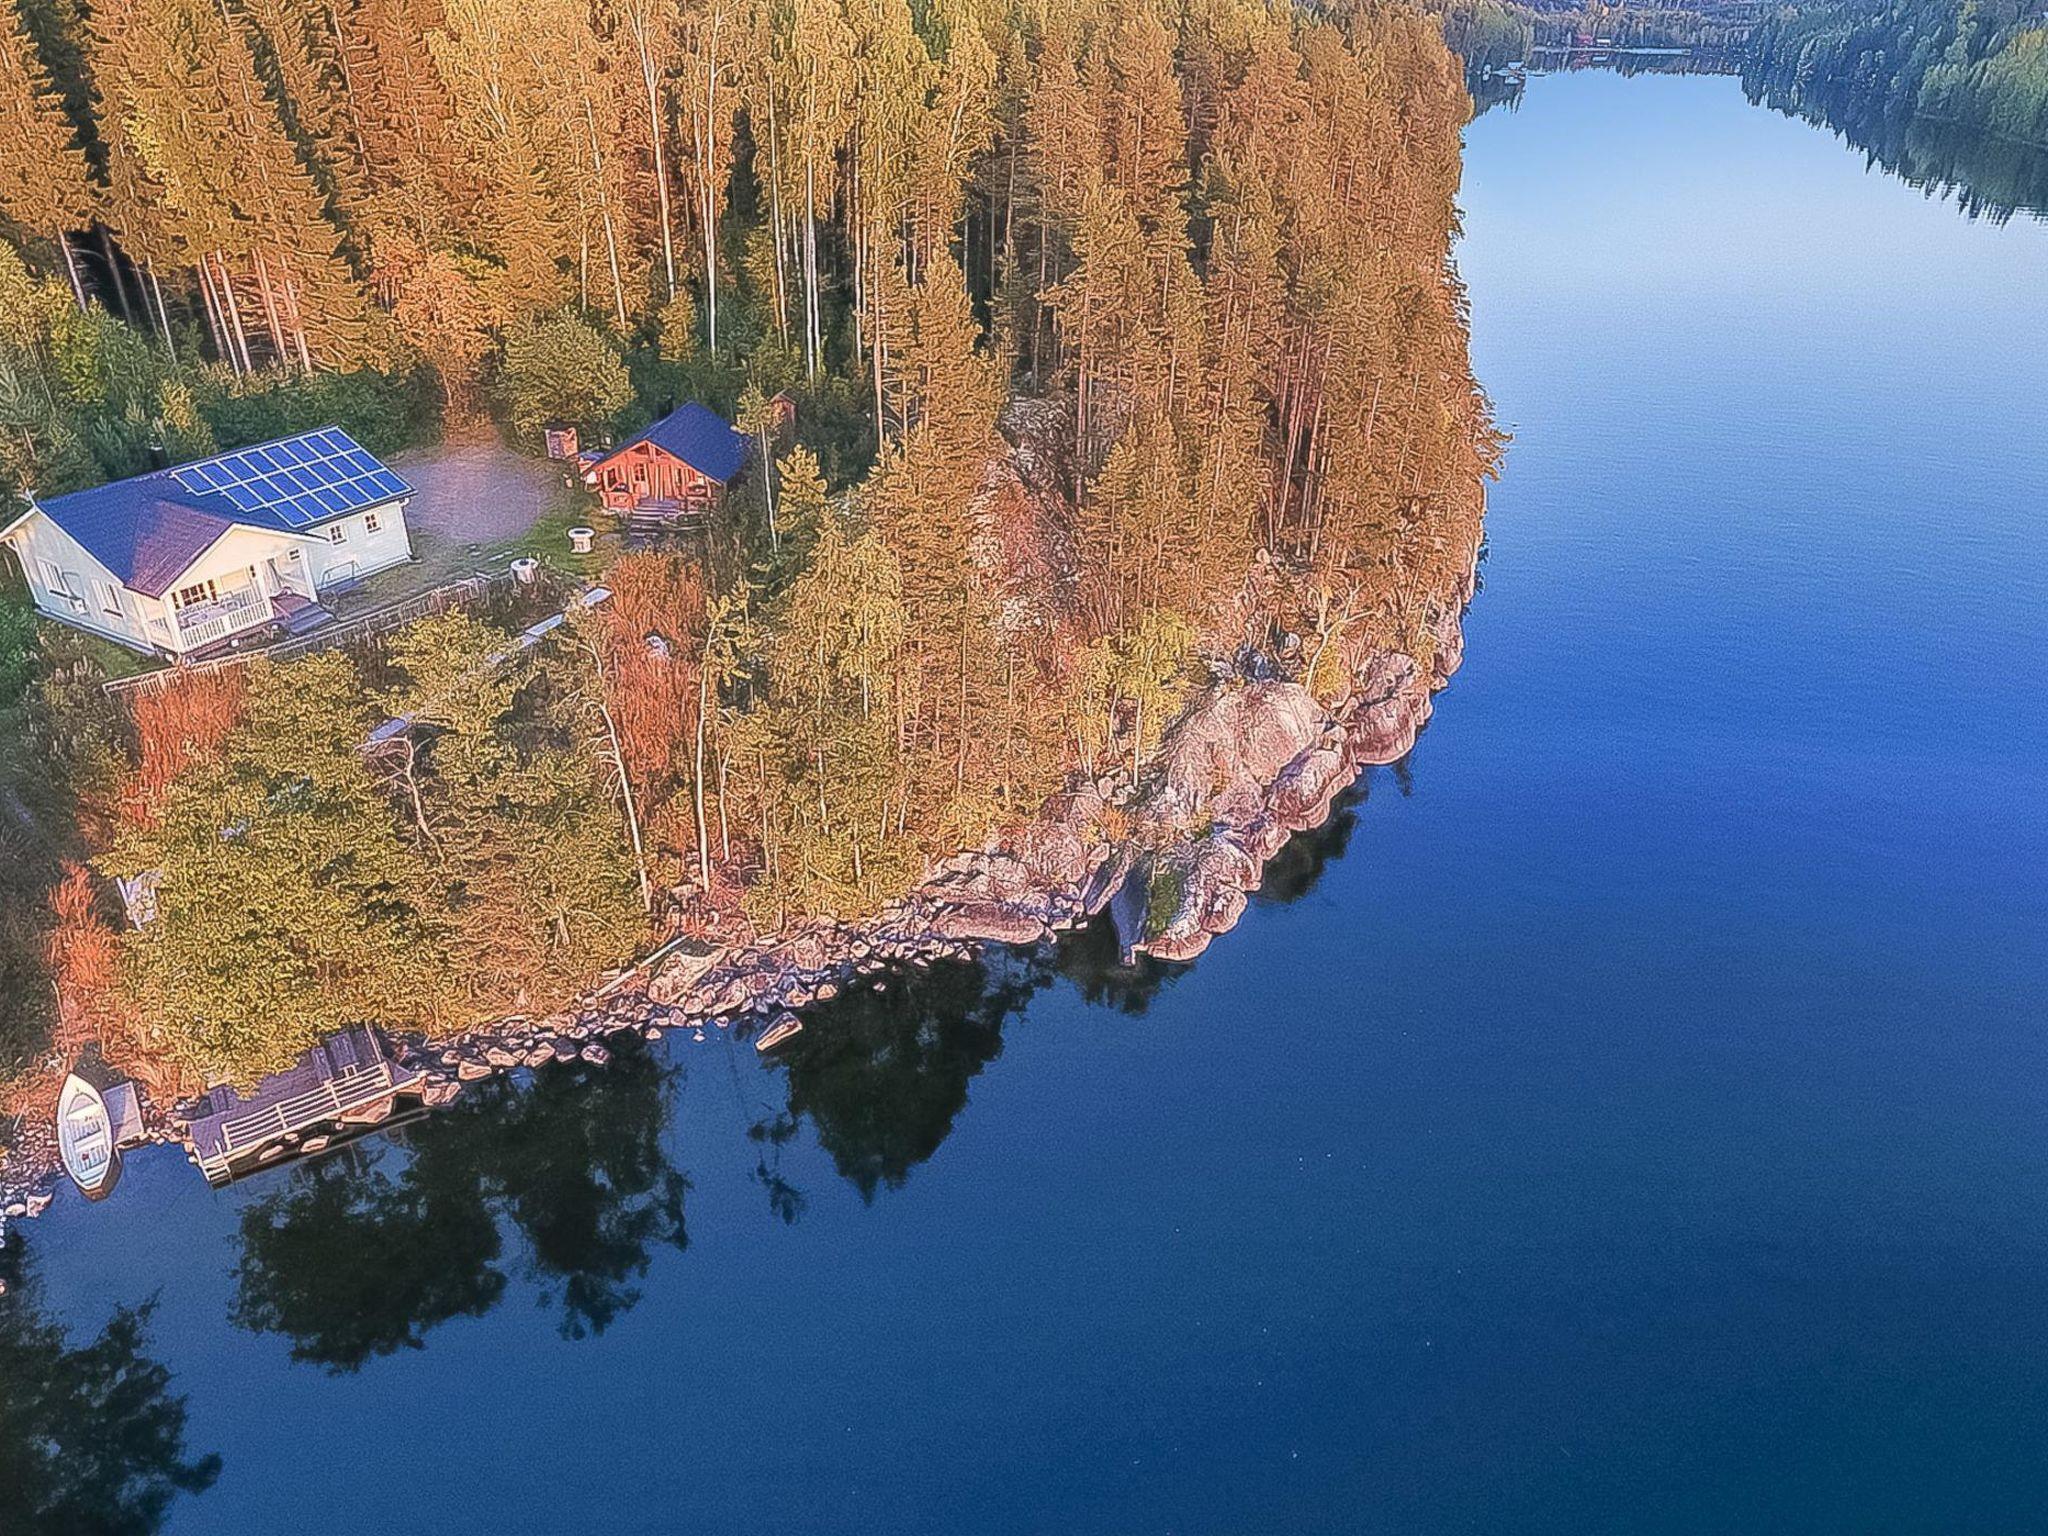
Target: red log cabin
column 676, row 468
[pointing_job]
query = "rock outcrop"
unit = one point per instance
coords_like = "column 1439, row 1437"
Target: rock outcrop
column 1249, row 761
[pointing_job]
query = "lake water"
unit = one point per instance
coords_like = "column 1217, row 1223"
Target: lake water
column 1631, row 1116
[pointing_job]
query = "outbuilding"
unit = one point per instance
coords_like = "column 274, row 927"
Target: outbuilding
column 678, row 467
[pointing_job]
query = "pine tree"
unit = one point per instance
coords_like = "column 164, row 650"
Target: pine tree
column 45, row 186
column 712, row 35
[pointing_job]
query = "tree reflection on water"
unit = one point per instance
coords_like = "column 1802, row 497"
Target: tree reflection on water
column 564, row 1183
column 882, row 1072
column 1091, row 957
column 1299, row 866
column 92, row 1441
column 362, row 1253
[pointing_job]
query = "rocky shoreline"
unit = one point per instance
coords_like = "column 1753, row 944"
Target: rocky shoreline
column 1249, row 762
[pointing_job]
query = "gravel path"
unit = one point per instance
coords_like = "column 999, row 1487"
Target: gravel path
column 471, row 495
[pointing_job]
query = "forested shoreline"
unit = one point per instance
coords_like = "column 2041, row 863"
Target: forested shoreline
column 1982, row 67
column 1875, row 65
column 1128, row 356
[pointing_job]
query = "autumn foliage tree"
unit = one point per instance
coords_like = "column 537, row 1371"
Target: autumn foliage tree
column 1121, row 337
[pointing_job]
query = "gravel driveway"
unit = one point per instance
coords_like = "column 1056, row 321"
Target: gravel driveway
column 471, row 495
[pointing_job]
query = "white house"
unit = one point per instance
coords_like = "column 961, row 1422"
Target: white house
column 181, row 559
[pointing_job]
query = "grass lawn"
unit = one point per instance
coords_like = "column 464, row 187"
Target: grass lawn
column 548, row 539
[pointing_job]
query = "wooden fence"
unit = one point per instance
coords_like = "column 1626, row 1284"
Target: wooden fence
column 375, row 621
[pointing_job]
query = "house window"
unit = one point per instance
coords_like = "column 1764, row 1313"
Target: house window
column 199, row 592
column 369, row 522
column 337, row 533
column 59, row 586
column 110, row 598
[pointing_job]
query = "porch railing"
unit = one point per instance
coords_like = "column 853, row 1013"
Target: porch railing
column 341, row 1093
column 204, row 623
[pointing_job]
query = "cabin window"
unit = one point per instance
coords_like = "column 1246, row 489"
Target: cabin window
column 369, row 522
column 337, row 533
column 110, row 598
column 197, row 593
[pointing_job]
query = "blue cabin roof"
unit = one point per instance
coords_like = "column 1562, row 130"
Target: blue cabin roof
column 148, row 529
column 700, row 437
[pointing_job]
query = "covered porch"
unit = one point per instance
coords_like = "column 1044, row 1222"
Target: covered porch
column 208, row 611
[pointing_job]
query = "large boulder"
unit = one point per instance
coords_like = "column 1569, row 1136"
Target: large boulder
column 678, row 974
column 989, row 922
column 1231, row 743
column 1391, row 703
column 1301, row 796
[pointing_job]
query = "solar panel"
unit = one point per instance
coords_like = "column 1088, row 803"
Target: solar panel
column 298, row 481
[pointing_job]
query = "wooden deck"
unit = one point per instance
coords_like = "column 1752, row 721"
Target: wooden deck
column 350, row 1078
column 654, row 519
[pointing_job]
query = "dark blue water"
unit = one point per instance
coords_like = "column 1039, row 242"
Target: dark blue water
column 1631, row 1117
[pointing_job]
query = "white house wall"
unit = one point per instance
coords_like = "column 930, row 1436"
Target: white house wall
column 362, row 550
column 110, row 609
column 241, row 555
column 238, row 558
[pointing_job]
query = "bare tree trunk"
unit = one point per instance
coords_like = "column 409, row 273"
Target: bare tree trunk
column 811, row 338
column 163, row 318
column 269, row 298
column 724, row 831
column 775, row 222
column 298, row 322
column 707, row 187
column 114, row 272
column 71, row 267
column 649, row 75
column 876, row 348
column 408, row 770
column 604, row 211
column 697, row 777
column 213, row 321
column 241, row 337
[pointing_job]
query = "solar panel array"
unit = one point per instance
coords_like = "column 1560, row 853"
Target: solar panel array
column 298, row 481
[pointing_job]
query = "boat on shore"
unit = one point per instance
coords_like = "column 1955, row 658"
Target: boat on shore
column 98, row 1115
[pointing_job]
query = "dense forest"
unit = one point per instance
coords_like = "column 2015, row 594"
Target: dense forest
column 1709, row 26
column 1125, row 340
column 1487, row 34
column 1492, row 34
column 1981, row 65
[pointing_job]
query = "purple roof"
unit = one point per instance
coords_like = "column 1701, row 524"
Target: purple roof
column 146, row 539
column 147, row 530
column 700, row 437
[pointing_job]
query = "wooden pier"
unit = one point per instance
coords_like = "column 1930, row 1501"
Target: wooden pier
column 348, row 1080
